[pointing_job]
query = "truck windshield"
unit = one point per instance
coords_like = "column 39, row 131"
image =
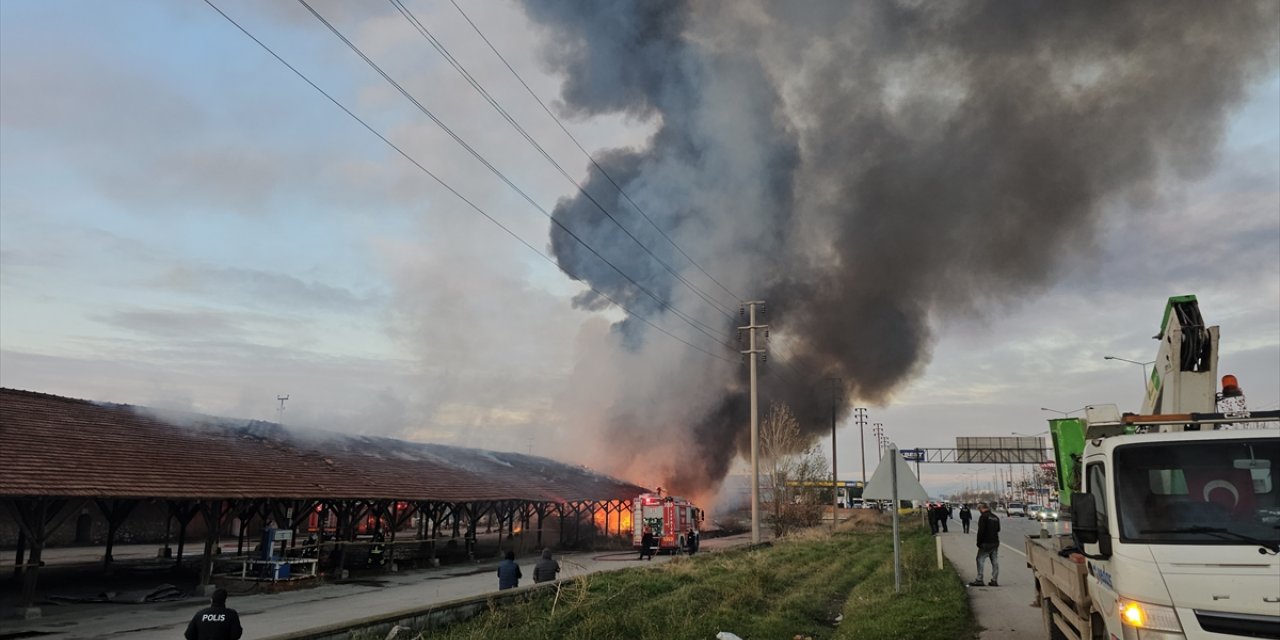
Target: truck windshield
column 1221, row 492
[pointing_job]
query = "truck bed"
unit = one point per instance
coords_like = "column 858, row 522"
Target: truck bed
column 1063, row 591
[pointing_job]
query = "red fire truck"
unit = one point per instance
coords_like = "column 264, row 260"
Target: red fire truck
column 669, row 518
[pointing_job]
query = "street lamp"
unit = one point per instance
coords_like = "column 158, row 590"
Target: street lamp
column 1064, row 413
column 1146, row 381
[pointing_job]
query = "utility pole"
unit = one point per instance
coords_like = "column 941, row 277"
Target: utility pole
column 835, row 479
column 280, row 411
column 751, row 353
column 878, row 430
column 860, row 414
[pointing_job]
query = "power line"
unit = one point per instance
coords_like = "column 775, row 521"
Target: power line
column 501, row 176
column 590, row 157
column 493, row 102
column 448, row 187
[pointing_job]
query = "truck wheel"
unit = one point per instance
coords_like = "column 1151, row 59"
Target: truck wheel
column 1049, row 611
column 1097, row 628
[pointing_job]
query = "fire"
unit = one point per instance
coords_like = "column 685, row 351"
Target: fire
column 613, row 522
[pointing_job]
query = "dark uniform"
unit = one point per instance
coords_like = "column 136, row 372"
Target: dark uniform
column 217, row 622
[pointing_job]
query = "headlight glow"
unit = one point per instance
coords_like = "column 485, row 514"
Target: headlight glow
column 1144, row 615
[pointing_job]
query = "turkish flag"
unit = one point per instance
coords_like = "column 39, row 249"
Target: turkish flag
column 1230, row 488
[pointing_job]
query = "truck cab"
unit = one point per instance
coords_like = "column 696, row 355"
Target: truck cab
column 1175, row 511
column 1185, row 540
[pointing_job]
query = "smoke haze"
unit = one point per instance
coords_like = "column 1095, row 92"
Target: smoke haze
column 868, row 169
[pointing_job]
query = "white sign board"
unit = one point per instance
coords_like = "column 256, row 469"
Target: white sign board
column 880, row 487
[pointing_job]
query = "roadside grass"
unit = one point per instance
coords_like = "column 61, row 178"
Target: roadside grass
column 933, row 604
column 798, row 586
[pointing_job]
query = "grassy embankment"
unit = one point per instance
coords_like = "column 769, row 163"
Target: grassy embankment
column 796, row 587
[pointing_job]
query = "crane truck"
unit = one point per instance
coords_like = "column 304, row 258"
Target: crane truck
column 1175, row 511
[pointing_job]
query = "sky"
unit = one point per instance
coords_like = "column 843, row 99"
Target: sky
column 186, row 224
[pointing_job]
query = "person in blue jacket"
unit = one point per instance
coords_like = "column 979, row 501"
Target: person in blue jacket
column 509, row 572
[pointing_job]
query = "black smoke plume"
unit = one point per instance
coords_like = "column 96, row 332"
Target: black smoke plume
column 867, row 168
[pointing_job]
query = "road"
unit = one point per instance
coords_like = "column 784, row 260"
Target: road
column 271, row 614
column 1005, row 612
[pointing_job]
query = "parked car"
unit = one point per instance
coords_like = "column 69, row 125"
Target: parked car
column 1016, row 509
column 1046, row 513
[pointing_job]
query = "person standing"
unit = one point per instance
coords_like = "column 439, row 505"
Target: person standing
column 944, row 514
column 509, row 572
column 646, row 544
column 547, row 567
column 988, row 545
column 932, row 512
column 965, row 516
column 216, row 622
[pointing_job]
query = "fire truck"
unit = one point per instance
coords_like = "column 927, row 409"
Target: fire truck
column 669, row 518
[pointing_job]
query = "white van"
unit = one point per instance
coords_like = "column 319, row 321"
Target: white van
column 1016, row 509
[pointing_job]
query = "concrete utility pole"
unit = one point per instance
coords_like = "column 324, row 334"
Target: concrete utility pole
column 897, row 542
column 860, row 414
column 835, row 479
column 751, row 353
column 280, row 411
column 878, row 430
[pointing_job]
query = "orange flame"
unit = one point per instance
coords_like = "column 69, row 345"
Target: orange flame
column 613, row 522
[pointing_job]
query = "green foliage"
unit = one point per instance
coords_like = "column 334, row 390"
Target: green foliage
column 795, row 587
column 933, row 603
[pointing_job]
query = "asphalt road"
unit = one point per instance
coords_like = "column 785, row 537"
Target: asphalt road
column 271, row 614
column 1005, row 612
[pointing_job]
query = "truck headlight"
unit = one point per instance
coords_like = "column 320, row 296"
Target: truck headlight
column 1144, row 615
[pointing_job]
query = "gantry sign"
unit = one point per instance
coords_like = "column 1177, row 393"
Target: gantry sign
column 985, row 450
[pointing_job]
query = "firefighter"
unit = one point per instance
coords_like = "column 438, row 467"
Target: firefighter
column 311, row 548
column 647, row 542
column 377, row 552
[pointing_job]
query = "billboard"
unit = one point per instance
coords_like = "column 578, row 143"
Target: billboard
column 1002, row 449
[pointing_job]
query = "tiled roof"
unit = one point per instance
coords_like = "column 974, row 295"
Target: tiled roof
column 56, row 446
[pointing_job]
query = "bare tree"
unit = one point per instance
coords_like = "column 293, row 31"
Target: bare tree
column 796, row 472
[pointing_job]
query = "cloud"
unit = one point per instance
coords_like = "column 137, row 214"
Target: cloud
column 199, row 324
column 258, row 288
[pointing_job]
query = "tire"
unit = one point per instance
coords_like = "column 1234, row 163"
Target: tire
column 1097, row 628
column 1048, row 611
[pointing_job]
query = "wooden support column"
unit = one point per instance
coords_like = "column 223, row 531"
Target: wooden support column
column 473, row 512
column 540, row 509
column 183, row 512
column 246, row 512
column 115, row 511
column 22, row 549
column 38, row 518
column 560, row 506
column 526, row 515
column 499, row 512
column 215, row 512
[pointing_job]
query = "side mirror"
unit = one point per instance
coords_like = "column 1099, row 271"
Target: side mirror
column 1084, row 518
column 1085, row 525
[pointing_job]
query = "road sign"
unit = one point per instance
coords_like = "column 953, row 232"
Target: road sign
column 913, row 455
column 880, row 486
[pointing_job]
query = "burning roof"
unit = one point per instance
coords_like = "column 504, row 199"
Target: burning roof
column 57, row 446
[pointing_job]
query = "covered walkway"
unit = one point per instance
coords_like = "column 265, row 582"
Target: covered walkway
column 62, row 458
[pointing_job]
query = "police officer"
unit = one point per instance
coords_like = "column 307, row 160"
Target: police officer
column 216, row 622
